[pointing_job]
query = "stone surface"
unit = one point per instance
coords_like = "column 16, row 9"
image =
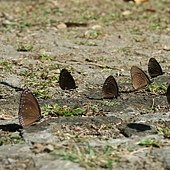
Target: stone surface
column 130, row 132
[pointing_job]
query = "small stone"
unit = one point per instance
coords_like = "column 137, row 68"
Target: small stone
column 127, row 12
column 49, row 148
column 96, row 27
column 166, row 48
column 61, row 26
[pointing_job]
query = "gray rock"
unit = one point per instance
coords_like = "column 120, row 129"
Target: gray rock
column 60, row 165
column 163, row 155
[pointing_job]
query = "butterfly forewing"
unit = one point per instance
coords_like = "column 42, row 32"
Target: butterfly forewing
column 110, row 88
column 29, row 109
column 66, row 81
column 139, row 78
column 154, row 68
column 168, row 94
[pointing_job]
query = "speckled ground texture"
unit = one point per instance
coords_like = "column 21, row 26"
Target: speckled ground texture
column 39, row 38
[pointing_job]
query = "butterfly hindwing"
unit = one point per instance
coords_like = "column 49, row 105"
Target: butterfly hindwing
column 110, row 88
column 154, row 68
column 66, row 81
column 139, row 78
column 29, row 109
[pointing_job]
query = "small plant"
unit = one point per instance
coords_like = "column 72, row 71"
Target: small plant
column 57, row 110
column 165, row 131
column 23, row 23
column 90, row 157
column 42, row 93
column 92, row 34
column 110, row 103
column 70, row 157
column 8, row 138
column 157, row 88
column 24, row 47
column 94, row 108
column 6, row 65
column 43, row 55
column 136, row 31
column 149, row 142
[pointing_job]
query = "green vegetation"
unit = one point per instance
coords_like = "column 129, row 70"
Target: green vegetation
column 10, row 138
column 41, row 78
column 92, row 33
column 88, row 156
column 149, row 142
column 56, row 110
column 43, row 55
column 157, row 88
column 136, row 31
column 42, row 93
column 111, row 103
column 164, row 131
column 33, row 15
column 117, row 35
column 94, row 108
column 46, row 14
column 25, row 47
column 5, row 65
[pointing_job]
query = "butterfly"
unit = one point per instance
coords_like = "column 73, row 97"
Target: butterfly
column 139, row 78
column 66, row 81
column 154, row 68
column 110, row 88
column 29, row 109
column 168, row 94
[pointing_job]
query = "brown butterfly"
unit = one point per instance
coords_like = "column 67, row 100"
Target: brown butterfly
column 29, row 109
column 66, row 80
column 110, row 88
column 139, row 78
column 154, row 68
column 168, row 94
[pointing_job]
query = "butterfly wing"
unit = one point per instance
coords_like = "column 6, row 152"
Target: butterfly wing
column 110, row 88
column 168, row 94
column 154, row 68
column 139, row 78
column 29, row 109
column 66, row 81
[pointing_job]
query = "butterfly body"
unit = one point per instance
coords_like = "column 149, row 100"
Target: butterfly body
column 154, row 68
column 110, row 88
column 29, row 109
column 139, row 78
column 66, row 81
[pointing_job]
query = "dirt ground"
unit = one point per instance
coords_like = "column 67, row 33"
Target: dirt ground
column 92, row 39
